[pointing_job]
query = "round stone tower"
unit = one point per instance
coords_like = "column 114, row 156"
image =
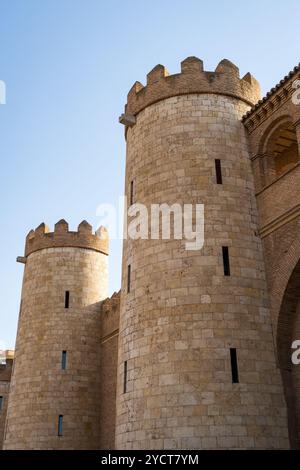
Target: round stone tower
column 196, row 365
column 54, row 394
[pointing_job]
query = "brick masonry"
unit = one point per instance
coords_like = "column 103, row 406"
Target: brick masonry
column 177, row 324
column 278, row 199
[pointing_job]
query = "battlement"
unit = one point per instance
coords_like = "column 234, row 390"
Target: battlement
column 84, row 237
column 225, row 80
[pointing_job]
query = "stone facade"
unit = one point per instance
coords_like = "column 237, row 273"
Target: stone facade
column 184, row 357
column 42, row 388
column 6, row 365
column 182, row 315
column 110, row 311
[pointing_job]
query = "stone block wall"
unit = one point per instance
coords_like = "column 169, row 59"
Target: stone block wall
column 41, row 388
column 5, row 377
column 182, row 315
column 110, row 313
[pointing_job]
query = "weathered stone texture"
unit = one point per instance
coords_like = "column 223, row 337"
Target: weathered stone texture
column 5, row 377
column 176, row 325
column 110, row 312
column 41, row 238
column 225, row 80
column 40, row 389
column 182, row 315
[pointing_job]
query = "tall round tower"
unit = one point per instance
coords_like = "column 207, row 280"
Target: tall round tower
column 54, row 394
column 196, row 365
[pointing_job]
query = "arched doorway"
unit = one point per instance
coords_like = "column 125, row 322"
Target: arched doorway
column 288, row 331
column 280, row 150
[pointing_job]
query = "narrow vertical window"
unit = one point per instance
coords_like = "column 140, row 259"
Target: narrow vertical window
column 67, row 299
column 234, row 366
column 131, row 193
column 218, row 171
column 64, row 360
column 128, row 278
column 125, row 378
column 226, row 264
column 1, row 403
column 60, row 425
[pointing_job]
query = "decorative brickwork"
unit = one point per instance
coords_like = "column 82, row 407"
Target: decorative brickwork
column 274, row 99
column 274, row 136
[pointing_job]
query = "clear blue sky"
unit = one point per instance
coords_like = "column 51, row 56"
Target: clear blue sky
column 68, row 65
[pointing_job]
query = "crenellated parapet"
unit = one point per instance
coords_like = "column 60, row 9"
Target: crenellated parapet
column 84, row 237
column 225, row 80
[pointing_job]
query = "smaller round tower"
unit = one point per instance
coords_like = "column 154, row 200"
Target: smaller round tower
column 54, row 394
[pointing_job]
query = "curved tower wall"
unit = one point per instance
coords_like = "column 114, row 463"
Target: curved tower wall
column 40, row 390
column 182, row 315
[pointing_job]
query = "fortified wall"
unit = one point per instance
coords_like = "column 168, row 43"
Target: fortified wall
column 194, row 352
column 273, row 128
column 6, row 366
column 197, row 366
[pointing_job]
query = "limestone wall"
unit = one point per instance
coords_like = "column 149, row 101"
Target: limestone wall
column 5, row 377
column 182, row 315
column 40, row 389
column 110, row 312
